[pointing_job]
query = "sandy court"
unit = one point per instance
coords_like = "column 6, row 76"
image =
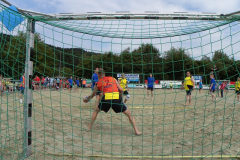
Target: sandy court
column 170, row 129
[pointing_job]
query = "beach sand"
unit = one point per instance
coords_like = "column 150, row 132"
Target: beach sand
column 60, row 120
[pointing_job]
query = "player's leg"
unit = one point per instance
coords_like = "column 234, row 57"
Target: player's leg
column 213, row 96
column 148, row 93
column 94, row 116
column 21, row 94
column 132, row 121
column 187, row 98
column 238, row 95
column 152, row 93
column 190, row 99
column 97, row 99
column 127, row 96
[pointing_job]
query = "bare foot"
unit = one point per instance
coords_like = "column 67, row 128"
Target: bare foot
column 89, row 128
column 138, row 133
column 185, row 105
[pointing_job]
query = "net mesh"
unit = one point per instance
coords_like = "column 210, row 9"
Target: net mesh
column 167, row 49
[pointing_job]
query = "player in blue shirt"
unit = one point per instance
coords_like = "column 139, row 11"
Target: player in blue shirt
column 78, row 84
column 150, row 81
column 212, row 87
column 94, row 81
column 200, row 86
column 94, row 77
column 70, row 83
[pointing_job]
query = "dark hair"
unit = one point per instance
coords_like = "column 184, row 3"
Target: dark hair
column 101, row 70
column 189, row 72
column 95, row 68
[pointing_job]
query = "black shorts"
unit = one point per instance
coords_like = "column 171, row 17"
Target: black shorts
column 212, row 90
column 70, row 86
column 116, row 104
column 37, row 83
column 98, row 93
column 58, row 84
column 125, row 93
column 189, row 92
column 150, row 88
column 84, row 85
column 200, row 88
column 237, row 92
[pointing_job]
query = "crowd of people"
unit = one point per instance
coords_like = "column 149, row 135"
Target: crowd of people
column 58, row 83
column 8, row 85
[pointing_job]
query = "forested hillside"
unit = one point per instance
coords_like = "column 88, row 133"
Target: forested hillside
column 169, row 65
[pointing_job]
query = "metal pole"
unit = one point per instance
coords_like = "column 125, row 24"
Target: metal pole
column 28, row 88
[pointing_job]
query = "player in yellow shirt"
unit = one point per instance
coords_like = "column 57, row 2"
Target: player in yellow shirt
column 123, row 83
column 189, row 85
column 237, row 88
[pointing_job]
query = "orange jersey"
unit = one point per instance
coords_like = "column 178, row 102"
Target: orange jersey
column 108, row 86
column 84, row 82
column 23, row 82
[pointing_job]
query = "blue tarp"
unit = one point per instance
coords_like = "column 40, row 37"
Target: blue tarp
column 11, row 18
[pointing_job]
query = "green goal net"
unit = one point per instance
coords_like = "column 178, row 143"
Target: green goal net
column 49, row 120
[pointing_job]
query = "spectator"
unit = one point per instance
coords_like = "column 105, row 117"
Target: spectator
column 200, row 86
column 171, row 86
column 222, row 87
column 227, row 87
column 84, row 83
column 60, row 83
column 42, row 82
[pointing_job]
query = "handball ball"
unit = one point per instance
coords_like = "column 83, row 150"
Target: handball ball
column 86, row 98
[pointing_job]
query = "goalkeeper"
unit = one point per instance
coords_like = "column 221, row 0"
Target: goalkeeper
column 111, row 99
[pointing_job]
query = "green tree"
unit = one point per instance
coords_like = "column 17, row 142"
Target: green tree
column 176, row 62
